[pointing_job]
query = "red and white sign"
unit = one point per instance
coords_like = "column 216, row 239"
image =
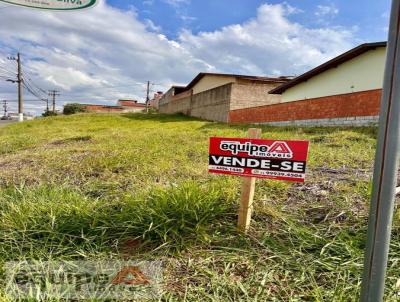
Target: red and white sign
column 281, row 160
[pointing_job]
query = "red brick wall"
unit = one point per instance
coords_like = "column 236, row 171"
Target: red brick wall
column 100, row 108
column 365, row 103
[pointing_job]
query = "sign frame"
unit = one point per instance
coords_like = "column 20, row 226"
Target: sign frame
column 260, row 158
column 238, row 146
column 91, row 3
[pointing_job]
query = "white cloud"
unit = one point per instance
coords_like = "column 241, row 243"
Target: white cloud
column 103, row 54
column 176, row 3
column 268, row 44
column 180, row 7
column 324, row 11
column 151, row 26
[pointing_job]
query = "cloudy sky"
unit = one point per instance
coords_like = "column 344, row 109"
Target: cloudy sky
column 108, row 52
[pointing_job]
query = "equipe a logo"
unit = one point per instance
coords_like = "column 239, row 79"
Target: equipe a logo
column 277, row 149
column 130, row 275
column 54, row 4
column 280, row 147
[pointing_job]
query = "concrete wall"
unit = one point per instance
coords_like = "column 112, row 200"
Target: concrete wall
column 247, row 94
column 216, row 103
column 362, row 73
column 210, row 81
column 176, row 105
column 354, row 108
column 167, row 96
column 212, row 104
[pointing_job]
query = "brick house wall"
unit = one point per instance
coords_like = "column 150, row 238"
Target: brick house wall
column 358, row 108
column 103, row 109
column 247, row 94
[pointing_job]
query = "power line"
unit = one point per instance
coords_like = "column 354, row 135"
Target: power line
column 27, row 77
column 23, row 81
column 117, row 86
column 32, row 90
column 19, row 84
column 6, row 77
column 5, row 65
column 27, row 72
column 7, row 71
column 36, row 86
column 30, row 101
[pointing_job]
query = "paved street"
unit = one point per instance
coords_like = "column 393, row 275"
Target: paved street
column 5, row 123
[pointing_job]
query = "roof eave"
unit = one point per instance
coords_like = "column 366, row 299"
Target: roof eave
column 246, row 77
column 352, row 53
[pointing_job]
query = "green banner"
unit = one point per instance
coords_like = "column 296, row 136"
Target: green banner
column 54, row 4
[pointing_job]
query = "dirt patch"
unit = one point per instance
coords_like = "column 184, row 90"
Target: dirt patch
column 328, row 195
column 77, row 139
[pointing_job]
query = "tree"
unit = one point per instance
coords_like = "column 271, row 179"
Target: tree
column 74, row 108
column 49, row 113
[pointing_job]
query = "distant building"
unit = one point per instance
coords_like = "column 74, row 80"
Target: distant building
column 343, row 91
column 131, row 106
column 155, row 101
column 15, row 116
column 103, row 108
column 213, row 96
column 123, row 106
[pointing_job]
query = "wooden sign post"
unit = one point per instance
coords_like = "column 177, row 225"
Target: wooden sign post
column 247, row 195
column 253, row 158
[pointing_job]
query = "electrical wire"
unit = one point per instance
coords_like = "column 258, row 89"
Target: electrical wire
column 5, row 77
column 29, row 101
column 6, row 66
column 38, row 91
column 30, row 91
column 37, row 87
column 9, row 73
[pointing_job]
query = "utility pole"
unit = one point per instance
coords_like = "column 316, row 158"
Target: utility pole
column 386, row 171
column 147, row 96
column 53, row 94
column 5, row 108
column 47, row 104
column 19, row 82
column 20, row 96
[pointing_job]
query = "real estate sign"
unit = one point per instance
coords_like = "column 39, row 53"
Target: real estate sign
column 54, row 4
column 273, row 159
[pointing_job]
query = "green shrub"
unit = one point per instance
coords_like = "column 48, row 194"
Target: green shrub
column 73, row 108
column 176, row 214
column 38, row 220
column 49, row 113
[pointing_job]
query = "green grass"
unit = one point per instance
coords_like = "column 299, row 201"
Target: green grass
column 136, row 186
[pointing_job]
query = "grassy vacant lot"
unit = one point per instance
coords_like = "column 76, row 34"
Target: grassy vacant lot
column 136, row 186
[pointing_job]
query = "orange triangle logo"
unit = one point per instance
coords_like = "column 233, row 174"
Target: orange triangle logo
column 280, row 147
column 130, row 275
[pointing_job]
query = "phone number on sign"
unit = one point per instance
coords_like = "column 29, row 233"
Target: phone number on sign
column 277, row 173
